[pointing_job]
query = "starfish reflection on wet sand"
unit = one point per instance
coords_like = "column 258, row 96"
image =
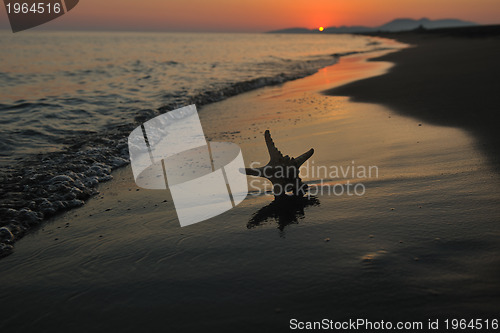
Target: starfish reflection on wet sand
column 285, row 210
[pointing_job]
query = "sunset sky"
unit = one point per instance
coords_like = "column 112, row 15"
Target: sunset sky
column 260, row 15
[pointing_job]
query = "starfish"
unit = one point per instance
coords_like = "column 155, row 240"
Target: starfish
column 282, row 171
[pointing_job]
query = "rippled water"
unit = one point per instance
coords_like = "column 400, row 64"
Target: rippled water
column 60, row 84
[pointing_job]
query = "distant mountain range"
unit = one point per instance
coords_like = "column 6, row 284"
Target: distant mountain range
column 401, row 24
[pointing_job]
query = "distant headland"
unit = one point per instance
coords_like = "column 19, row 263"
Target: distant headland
column 400, row 24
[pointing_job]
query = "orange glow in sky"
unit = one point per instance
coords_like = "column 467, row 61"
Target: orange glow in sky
column 260, row 15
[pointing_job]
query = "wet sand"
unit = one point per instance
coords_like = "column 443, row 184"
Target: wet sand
column 450, row 77
column 421, row 243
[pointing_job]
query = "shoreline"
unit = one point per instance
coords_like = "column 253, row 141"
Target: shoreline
column 101, row 157
column 413, row 70
column 449, row 77
column 423, row 239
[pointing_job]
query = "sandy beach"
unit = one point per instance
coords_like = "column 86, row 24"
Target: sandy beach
column 420, row 243
column 448, row 79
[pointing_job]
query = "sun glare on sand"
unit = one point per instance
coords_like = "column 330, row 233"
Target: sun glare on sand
column 321, row 28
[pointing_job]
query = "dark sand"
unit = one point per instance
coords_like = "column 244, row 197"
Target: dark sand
column 450, row 77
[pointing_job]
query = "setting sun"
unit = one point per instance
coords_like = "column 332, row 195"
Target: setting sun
column 320, row 28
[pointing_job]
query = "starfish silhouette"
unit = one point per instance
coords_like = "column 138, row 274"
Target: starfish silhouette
column 282, row 171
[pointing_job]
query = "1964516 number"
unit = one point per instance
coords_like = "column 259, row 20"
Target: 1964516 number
column 35, row 8
column 473, row 324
